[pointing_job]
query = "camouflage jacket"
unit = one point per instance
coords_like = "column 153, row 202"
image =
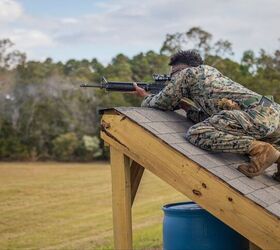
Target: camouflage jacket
column 206, row 87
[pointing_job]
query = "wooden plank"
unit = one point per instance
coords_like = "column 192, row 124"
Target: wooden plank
column 121, row 198
column 136, row 173
column 254, row 222
column 254, row 247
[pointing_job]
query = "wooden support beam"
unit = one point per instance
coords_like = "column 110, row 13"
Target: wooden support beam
column 254, row 222
column 136, row 173
column 121, row 198
column 255, row 247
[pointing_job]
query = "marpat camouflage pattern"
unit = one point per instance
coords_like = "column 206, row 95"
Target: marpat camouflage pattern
column 231, row 115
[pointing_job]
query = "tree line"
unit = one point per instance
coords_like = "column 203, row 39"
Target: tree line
column 44, row 115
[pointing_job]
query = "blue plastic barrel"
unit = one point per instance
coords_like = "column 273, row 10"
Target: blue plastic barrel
column 187, row 226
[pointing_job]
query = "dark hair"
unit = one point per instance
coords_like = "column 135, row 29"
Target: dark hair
column 190, row 57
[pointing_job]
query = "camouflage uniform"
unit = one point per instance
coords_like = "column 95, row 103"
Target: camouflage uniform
column 219, row 129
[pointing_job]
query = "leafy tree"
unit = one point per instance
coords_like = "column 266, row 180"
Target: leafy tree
column 201, row 39
column 65, row 145
column 173, row 43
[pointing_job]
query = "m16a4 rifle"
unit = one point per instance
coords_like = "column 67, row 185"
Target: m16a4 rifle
column 160, row 81
column 153, row 87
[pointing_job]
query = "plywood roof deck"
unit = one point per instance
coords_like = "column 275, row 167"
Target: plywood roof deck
column 152, row 137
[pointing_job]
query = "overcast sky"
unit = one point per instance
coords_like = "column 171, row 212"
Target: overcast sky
column 64, row 29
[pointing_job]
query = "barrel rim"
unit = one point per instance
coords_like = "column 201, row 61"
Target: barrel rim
column 169, row 208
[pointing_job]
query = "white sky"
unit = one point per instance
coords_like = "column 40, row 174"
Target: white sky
column 64, row 29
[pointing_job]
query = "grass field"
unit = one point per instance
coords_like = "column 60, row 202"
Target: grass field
column 68, row 206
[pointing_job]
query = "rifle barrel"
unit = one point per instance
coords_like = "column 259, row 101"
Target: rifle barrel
column 91, row 86
column 153, row 88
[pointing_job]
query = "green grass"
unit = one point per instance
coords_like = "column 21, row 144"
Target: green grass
column 68, row 206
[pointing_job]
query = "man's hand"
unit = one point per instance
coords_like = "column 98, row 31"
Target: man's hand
column 139, row 91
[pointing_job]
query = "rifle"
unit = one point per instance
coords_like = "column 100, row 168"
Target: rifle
column 153, row 87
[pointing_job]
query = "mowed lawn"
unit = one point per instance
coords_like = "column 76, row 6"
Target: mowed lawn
column 68, row 206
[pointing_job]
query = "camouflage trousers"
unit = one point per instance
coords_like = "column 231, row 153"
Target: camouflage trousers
column 234, row 130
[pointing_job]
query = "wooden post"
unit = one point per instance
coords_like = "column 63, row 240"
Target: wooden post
column 121, row 198
column 136, row 174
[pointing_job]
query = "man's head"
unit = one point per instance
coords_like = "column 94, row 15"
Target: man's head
column 184, row 59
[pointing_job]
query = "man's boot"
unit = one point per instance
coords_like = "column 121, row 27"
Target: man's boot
column 262, row 156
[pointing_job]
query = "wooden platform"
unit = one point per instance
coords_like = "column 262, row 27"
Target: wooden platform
column 147, row 138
